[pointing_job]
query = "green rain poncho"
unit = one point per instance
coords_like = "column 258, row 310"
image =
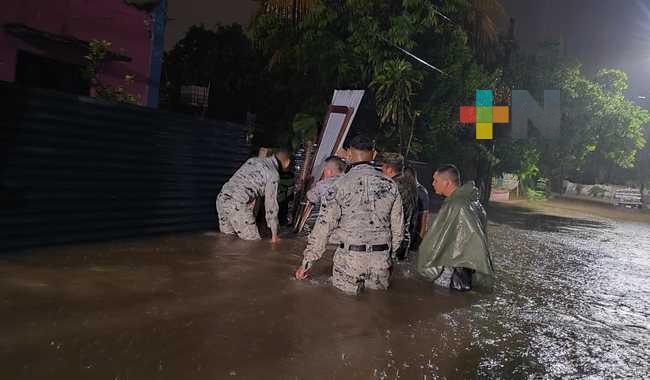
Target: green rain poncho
column 457, row 237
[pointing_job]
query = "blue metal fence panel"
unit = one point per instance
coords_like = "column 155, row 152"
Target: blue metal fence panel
column 78, row 169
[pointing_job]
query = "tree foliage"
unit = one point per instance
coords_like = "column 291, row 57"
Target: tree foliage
column 601, row 131
column 296, row 52
column 395, row 85
column 480, row 24
column 224, row 59
column 342, row 44
column 96, row 59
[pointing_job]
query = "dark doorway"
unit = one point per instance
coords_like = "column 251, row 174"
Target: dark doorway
column 37, row 71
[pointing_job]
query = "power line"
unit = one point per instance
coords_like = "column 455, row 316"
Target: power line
column 422, row 61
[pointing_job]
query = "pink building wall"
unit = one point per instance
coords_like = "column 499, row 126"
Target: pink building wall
column 128, row 28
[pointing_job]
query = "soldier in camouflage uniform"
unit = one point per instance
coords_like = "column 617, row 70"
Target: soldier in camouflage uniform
column 367, row 209
column 334, row 168
column 235, row 203
column 392, row 166
column 420, row 221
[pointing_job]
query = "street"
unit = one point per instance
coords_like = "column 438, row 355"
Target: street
column 571, row 300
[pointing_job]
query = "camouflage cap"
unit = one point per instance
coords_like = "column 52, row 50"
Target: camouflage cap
column 390, row 158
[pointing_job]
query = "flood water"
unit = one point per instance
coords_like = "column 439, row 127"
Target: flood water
column 571, row 300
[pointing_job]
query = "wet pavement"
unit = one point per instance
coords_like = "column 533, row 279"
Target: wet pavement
column 571, row 300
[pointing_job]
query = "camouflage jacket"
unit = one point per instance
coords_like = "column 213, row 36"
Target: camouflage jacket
column 365, row 206
column 409, row 194
column 258, row 177
column 320, row 189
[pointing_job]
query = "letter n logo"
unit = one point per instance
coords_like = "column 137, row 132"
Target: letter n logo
column 525, row 108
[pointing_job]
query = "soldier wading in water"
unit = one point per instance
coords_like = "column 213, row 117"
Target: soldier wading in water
column 366, row 208
column 258, row 177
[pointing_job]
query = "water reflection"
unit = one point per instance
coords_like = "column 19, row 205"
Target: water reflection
column 574, row 293
column 572, row 299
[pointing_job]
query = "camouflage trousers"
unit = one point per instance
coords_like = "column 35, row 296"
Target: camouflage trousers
column 236, row 218
column 354, row 271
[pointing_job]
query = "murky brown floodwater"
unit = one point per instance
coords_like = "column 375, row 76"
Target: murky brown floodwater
column 572, row 300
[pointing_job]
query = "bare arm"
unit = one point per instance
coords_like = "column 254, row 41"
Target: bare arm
column 424, row 223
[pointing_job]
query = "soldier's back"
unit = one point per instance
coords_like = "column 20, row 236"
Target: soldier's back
column 250, row 179
column 366, row 198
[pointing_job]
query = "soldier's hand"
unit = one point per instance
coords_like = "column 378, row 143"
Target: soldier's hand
column 301, row 273
column 275, row 239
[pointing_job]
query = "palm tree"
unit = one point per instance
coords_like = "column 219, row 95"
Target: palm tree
column 291, row 11
column 480, row 26
column 395, row 85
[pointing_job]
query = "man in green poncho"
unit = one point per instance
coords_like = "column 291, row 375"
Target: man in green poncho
column 457, row 240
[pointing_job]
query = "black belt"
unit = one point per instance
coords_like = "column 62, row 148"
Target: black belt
column 365, row 248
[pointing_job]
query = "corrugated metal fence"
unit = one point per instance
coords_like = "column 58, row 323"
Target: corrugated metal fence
column 76, row 169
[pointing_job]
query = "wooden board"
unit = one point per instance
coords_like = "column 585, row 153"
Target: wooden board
column 336, row 125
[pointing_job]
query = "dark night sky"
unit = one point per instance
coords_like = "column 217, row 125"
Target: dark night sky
column 599, row 33
column 185, row 13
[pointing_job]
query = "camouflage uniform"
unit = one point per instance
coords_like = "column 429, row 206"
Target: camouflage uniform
column 408, row 193
column 321, row 189
column 422, row 206
column 316, row 195
column 367, row 209
column 257, row 177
